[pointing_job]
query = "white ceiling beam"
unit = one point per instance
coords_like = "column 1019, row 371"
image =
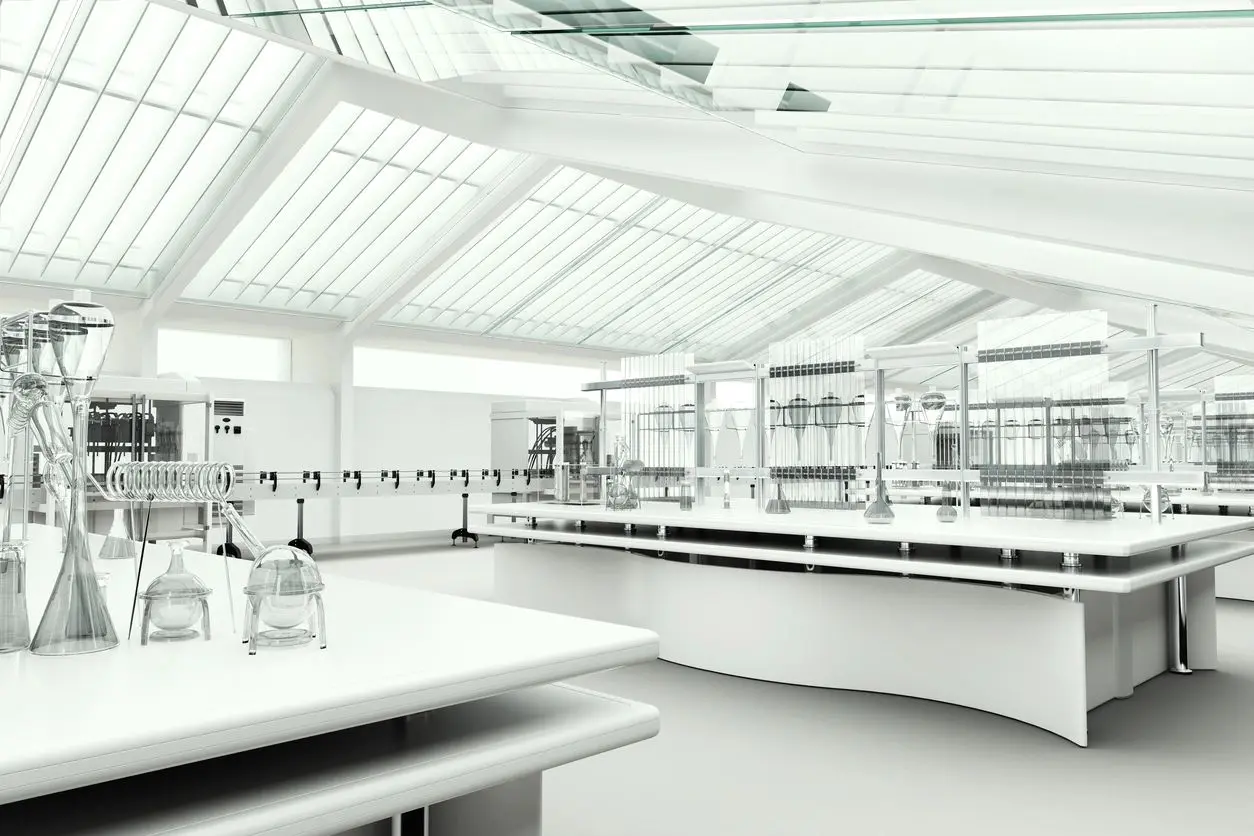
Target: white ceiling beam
column 1151, row 239
column 1170, row 243
column 843, row 292
column 458, row 233
column 1223, row 339
column 292, row 131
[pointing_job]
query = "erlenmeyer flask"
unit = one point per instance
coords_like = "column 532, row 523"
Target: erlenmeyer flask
column 119, row 543
column 76, row 619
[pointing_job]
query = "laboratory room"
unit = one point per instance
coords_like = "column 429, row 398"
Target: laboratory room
column 560, row 418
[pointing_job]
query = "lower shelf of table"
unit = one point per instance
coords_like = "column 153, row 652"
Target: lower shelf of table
column 338, row 782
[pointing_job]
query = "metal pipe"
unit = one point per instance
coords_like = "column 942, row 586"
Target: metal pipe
column 1178, row 626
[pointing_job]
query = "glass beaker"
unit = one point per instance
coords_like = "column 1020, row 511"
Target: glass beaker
column 14, row 619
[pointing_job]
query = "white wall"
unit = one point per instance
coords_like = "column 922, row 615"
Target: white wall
column 398, row 428
column 290, row 426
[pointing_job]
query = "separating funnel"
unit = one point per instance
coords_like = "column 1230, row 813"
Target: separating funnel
column 827, row 416
column 797, row 416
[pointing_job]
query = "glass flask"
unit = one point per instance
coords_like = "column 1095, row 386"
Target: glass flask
column 622, row 493
column 76, row 619
column 284, row 600
column 119, row 543
column 14, row 620
column 175, row 602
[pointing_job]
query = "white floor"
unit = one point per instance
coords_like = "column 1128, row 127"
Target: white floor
column 744, row 758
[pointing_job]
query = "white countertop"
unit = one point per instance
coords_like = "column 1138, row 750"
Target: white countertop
column 392, row 651
column 1123, row 537
column 1096, row 574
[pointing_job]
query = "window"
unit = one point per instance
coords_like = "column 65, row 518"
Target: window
column 393, row 369
column 206, row 354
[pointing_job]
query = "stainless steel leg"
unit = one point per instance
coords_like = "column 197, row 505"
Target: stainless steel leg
column 808, row 545
column 1009, row 557
column 1071, row 563
column 1178, row 626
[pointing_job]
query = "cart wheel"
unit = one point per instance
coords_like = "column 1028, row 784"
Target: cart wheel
column 230, row 550
column 302, row 544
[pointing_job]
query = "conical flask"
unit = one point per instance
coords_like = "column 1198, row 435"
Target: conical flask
column 119, row 543
column 76, row 619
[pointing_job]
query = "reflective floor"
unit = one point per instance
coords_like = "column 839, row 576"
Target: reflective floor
column 744, row 758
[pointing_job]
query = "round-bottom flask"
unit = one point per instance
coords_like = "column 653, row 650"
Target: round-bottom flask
column 175, row 603
column 284, row 600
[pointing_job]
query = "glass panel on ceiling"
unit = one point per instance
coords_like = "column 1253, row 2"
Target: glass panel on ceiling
column 379, row 214
column 419, row 148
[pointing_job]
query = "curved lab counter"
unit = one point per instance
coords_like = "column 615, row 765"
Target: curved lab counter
column 953, row 619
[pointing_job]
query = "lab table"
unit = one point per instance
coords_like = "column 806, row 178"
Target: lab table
column 135, row 719
column 1036, row 619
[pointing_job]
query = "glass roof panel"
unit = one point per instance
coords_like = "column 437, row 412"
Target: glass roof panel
column 598, row 263
column 466, row 43
column 1151, row 90
column 121, row 135
column 352, row 210
column 893, row 314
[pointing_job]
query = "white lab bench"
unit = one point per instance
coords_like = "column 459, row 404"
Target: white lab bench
column 418, row 700
column 823, row 598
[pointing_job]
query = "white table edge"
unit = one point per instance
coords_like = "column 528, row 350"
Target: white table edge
column 105, row 766
column 959, row 534
column 1059, row 578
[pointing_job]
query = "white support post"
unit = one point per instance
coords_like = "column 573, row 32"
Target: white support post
column 1154, row 433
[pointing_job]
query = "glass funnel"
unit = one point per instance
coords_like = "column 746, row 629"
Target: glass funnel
column 713, row 420
column 284, row 605
column 899, row 417
column 738, row 421
column 175, row 602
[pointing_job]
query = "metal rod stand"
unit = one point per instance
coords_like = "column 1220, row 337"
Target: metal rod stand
column 464, row 532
